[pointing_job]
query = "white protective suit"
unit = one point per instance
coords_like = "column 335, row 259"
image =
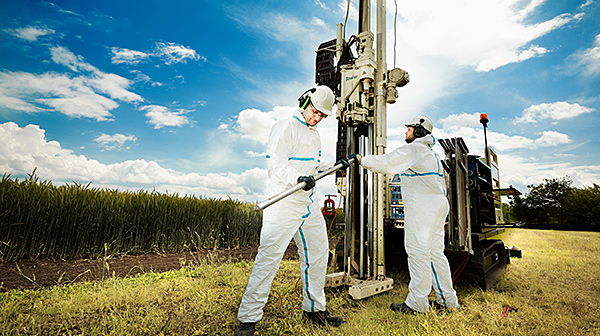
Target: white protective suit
column 294, row 150
column 425, row 210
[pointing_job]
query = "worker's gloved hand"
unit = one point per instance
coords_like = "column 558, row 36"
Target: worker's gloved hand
column 309, row 180
column 344, row 163
column 357, row 157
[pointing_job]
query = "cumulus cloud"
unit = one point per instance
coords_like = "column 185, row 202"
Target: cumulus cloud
column 26, row 92
column 520, row 162
column 26, row 148
column 468, row 127
column 30, row 33
column 476, row 36
column 555, row 111
column 160, row 116
column 521, row 172
column 502, row 35
column 90, row 93
column 115, row 141
column 255, row 125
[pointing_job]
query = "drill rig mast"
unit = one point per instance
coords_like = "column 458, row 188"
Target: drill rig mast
column 363, row 86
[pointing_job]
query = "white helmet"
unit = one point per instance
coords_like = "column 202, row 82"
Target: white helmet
column 421, row 122
column 321, row 97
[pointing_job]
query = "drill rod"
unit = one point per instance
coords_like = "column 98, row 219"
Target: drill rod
column 276, row 198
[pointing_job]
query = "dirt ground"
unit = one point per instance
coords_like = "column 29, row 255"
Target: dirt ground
column 47, row 273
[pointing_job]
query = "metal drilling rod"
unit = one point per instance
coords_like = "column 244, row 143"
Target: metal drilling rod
column 276, row 198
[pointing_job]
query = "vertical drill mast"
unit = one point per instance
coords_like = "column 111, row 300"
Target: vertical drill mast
column 365, row 87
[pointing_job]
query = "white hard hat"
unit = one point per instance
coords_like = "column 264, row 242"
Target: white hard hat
column 321, row 97
column 421, row 120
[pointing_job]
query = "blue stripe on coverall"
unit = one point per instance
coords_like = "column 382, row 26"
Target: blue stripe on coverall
column 312, row 302
column 296, row 158
column 437, row 281
column 303, row 122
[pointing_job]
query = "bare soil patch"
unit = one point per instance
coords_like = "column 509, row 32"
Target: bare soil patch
column 47, row 273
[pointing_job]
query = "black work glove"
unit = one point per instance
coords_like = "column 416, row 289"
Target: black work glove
column 356, row 157
column 344, row 163
column 309, row 180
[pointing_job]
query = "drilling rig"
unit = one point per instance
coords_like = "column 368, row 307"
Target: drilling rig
column 356, row 71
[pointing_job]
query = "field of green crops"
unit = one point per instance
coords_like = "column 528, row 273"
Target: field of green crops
column 40, row 220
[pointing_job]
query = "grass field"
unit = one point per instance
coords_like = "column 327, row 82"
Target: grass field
column 555, row 288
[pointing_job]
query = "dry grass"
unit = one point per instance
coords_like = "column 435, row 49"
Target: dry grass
column 555, row 287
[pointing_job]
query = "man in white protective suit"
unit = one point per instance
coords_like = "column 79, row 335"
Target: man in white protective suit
column 293, row 156
column 425, row 210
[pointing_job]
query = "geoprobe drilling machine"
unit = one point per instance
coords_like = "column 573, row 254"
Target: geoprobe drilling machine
column 363, row 86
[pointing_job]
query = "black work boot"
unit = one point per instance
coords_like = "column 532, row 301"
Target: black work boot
column 245, row 329
column 438, row 306
column 323, row 318
column 402, row 308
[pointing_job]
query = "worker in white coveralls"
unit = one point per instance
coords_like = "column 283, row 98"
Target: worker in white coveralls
column 293, row 156
column 425, row 211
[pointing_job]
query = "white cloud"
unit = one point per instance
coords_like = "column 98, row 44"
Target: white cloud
column 25, row 149
column 516, row 168
column 127, row 56
column 589, row 59
column 63, row 56
column 255, row 125
column 167, row 52
column 351, row 10
column 510, row 56
column 173, row 53
column 80, row 96
column 520, row 172
column 555, row 111
column 115, row 141
column 480, row 34
column 253, row 154
column 30, row 34
column 161, row 116
column 440, row 41
column 113, row 85
column 26, row 92
column 468, row 127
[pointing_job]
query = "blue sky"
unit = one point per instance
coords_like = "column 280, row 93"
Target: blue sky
column 179, row 96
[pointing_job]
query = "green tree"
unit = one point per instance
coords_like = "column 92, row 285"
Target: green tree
column 582, row 209
column 507, row 213
column 544, row 206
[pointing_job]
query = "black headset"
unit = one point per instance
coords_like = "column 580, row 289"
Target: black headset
column 419, row 130
column 304, row 99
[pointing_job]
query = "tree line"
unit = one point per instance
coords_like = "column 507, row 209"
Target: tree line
column 556, row 204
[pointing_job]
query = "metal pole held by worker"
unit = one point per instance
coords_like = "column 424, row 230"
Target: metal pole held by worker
column 276, row 198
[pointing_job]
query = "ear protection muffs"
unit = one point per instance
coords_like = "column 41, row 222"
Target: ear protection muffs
column 419, row 130
column 304, row 99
